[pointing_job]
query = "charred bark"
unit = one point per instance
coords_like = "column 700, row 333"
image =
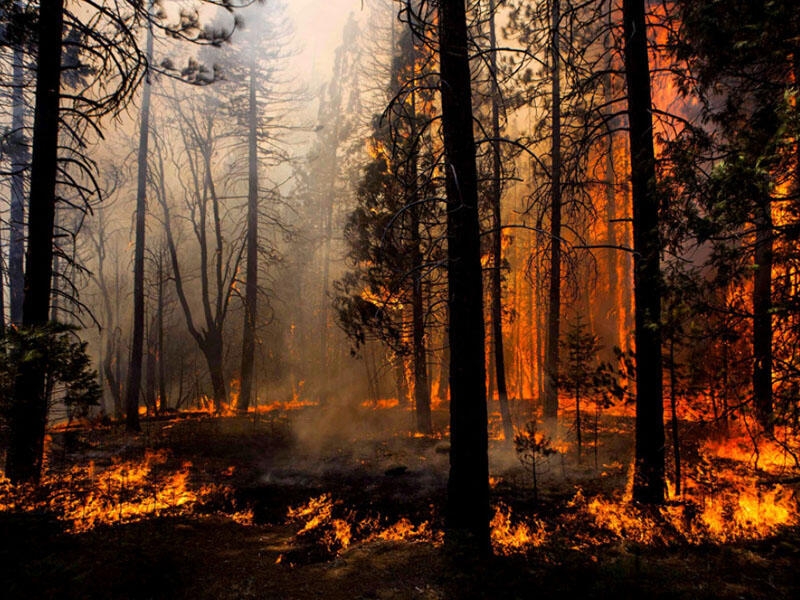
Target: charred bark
column 762, row 317
column 422, row 392
column 28, row 410
column 251, row 264
column 550, row 403
column 19, row 162
column 468, row 484
column 648, row 480
column 133, row 389
column 497, row 240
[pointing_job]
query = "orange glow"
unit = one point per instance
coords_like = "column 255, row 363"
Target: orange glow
column 405, row 531
column 381, row 403
column 294, row 404
column 514, row 538
column 764, row 454
column 86, row 497
column 732, row 514
column 235, row 390
column 336, row 534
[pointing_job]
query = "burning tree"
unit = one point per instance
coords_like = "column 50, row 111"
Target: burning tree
column 737, row 174
column 395, row 233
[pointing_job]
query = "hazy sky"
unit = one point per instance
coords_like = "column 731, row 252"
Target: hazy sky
column 319, row 25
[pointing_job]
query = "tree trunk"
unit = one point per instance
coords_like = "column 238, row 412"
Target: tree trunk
column 162, row 366
column 444, row 368
column 150, row 368
column 762, row 317
column 648, row 480
column 497, row 241
column 251, row 266
column 673, row 400
column 468, row 484
column 28, row 410
column 212, row 350
column 422, row 392
column 133, row 389
column 550, row 404
column 19, row 162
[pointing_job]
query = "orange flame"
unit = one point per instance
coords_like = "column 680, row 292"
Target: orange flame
column 514, row 538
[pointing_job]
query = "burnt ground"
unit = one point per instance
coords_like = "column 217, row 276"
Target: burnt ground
column 373, row 477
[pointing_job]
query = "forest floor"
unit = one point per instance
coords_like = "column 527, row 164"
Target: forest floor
column 332, row 502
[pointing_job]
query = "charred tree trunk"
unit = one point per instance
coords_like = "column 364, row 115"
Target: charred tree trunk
column 554, row 293
column 28, row 410
column 162, row 366
column 251, row 266
column 422, row 391
column 468, row 484
column 443, row 392
column 497, row 240
column 150, row 368
column 762, row 317
column 212, row 350
column 133, row 389
column 19, row 162
column 673, row 401
column 648, row 480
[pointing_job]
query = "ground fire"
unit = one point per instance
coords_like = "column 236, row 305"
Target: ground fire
column 399, row 299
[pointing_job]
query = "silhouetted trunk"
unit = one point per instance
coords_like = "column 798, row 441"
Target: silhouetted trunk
column 615, row 297
column 762, row 317
column 497, row 240
column 162, row 367
column 150, row 369
column 444, row 368
column 468, row 484
column 27, row 416
column 578, row 424
column 251, row 266
column 673, row 401
column 19, row 162
column 422, row 391
column 133, row 389
column 212, row 350
column 648, row 480
column 550, row 404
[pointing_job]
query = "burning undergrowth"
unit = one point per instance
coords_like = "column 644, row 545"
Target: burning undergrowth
column 343, row 492
column 84, row 497
column 327, row 527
